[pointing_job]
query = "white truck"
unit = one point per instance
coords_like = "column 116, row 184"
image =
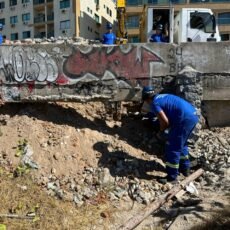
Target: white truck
column 188, row 25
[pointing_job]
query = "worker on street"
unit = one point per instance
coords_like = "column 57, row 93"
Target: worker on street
column 180, row 118
column 1, row 37
column 159, row 36
column 109, row 38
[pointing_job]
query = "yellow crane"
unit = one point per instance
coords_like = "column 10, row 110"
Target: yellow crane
column 121, row 28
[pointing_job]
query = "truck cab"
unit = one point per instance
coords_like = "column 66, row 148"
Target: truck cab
column 188, row 25
column 195, row 25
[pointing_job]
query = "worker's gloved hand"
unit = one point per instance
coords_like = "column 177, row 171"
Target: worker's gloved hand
column 162, row 136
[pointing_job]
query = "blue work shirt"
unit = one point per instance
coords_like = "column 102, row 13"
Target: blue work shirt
column 157, row 38
column 1, row 39
column 175, row 108
column 109, row 38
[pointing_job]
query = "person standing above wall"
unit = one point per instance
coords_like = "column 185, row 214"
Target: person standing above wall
column 109, row 37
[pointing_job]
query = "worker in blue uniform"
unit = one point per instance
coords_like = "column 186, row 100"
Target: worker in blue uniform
column 109, row 37
column 159, row 36
column 180, row 118
column 1, row 37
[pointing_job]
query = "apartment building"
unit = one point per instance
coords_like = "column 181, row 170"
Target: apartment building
column 94, row 17
column 221, row 9
column 23, row 19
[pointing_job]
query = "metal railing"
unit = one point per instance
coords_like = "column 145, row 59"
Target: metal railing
column 167, row 2
column 50, row 17
column 39, row 19
column 209, row 1
column 36, row 2
column 223, row 21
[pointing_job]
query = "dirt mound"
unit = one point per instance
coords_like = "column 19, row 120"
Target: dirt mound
column 75, row 152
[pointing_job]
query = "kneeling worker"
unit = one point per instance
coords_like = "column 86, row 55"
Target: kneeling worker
column 180, row 117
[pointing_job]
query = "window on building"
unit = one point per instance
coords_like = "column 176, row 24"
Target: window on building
column 2, row 5
column 88, row 9
column 13, row 19
column 25, row 17
column 64, row 4
column 14, row 36
column 110, row 13
column 13, row 2
column 224, row 18
column 26, row 34
column 225, row 37
column 25, row 1
column 2, row 21
column 133, row 21
column 64, row 25
column 97, row 18
column 107, row 10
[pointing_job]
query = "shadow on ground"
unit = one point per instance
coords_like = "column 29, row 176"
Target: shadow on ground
column 122, row 164
column 132, row 129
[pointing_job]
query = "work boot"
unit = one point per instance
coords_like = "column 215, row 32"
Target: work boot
column 185, row 173
column 164, row 180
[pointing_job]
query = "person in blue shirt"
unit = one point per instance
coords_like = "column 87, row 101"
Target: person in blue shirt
column 159, row 36
column 109, row 38
column 180, row 118
column 1, row 37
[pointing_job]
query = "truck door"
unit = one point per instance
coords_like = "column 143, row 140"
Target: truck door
column 199, row 27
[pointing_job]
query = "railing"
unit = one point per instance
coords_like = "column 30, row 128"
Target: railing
column 40, row 35
column 50, row 34
column 50, row 17
column 132, row 25
column 36, row 2
column 209, row 1
column 155, row 2
column 223, row 21
column 167, row 2
column 39, row 19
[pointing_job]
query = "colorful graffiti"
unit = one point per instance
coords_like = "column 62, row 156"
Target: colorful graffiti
column 26, row 64
column 133, row 64
column 84, row 70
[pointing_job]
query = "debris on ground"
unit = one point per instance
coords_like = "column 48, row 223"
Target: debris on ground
column 75, row 154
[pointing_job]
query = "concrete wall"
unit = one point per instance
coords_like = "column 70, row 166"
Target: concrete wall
column 77, row 73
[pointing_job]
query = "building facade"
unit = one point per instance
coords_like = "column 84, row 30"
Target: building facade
column 23, row 19
column 221, row 9
column 94, row 16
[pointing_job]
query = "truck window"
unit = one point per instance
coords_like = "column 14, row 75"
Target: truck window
column 203, row 21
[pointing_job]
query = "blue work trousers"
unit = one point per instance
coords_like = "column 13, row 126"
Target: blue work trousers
column 176, row 149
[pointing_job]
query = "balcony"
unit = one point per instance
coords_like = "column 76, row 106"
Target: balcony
column 39, row 19
column 38, row 2
column 155, row 2
column 223, row 21
column 50, row 34
column 167, row 2
column 50, row 17
column 209, row 1
column 40, row 35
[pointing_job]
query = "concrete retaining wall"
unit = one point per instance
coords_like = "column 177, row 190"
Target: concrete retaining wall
column 77, row 73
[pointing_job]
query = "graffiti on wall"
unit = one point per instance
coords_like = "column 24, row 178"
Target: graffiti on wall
column 88, row 70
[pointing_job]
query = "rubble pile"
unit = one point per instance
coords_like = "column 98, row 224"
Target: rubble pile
column 115, row 172
column 58, row 40
column 212, row 152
